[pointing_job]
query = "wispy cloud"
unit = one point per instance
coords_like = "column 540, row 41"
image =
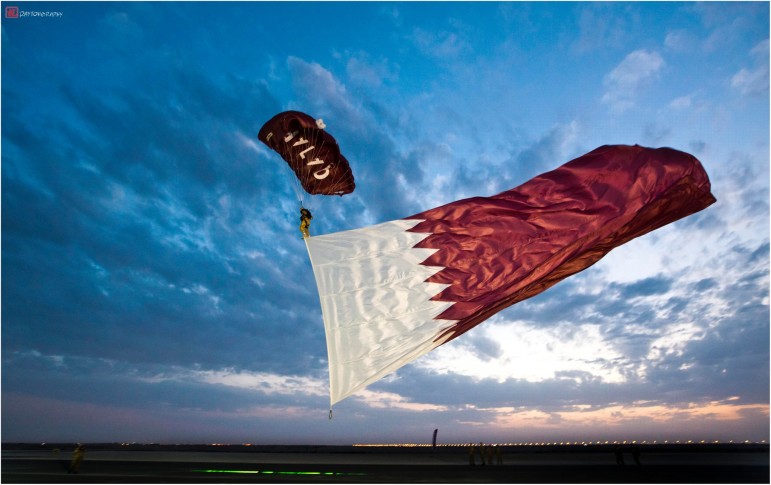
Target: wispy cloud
column 262, row 382
column 533, row 354
column 636, row 72
column 680, row 40
column 600, row 28
column 321, row 90
column 600, row 423
column 442, row 45
column 370, row 73
column 753, row 81
column 390, row 400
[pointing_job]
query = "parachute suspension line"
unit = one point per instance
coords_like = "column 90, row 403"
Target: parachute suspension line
column 299, row 192
column 294, row 183
column 307, row 169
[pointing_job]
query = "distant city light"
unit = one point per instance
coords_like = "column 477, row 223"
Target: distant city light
column 278, row 472
column 556, row 443
column 599, row 442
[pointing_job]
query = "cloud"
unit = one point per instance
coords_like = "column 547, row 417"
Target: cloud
column 690, row 103
column 624, row 83
column 655, row 135
column 262, row 382
column 443, row 45
column 159, row 290
column 680, row 40
column 600, row 28
column 229, row 392
column 391, row 12
column 121, row 29
column 580, row 404
column 531, row 353
column 646, row 287
column 727, row 26
column 548, row 151
column 614, row 422
column 162, row 252
column 388, row 400
column 754, row 81
column 319, row 88
column 372, row 74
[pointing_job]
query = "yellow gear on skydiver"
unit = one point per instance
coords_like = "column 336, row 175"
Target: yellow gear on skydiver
column 305, row 222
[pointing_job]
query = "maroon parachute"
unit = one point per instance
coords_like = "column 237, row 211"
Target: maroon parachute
column 311, row 152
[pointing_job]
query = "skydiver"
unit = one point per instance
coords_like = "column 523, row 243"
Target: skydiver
column 305, row 222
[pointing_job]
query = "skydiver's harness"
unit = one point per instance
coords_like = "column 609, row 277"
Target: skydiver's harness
column 305, row 222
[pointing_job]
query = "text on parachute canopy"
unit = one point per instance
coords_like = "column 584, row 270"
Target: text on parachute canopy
column 300, row 143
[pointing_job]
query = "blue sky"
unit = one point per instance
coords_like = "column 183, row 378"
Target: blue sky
column 156, row 287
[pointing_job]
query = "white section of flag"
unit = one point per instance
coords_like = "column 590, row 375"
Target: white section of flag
column 377, row 308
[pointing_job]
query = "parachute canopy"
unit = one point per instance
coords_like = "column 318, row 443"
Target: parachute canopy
column 394, row 291
column 311, row 153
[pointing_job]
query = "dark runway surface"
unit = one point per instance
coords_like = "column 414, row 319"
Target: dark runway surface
column 351, row 465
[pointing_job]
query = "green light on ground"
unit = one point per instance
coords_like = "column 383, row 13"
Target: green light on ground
column 231, row 471
column 278, row 472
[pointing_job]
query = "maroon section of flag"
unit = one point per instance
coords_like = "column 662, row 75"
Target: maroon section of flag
column 502, row 249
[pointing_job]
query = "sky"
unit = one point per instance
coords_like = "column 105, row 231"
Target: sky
column 156, row 287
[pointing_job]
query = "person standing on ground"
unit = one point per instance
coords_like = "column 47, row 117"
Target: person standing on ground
column 481, row 448
column 77, row 458
column 619, row 455
column 636, row 454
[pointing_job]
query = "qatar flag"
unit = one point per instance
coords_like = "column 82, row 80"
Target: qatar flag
column 394, row 291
